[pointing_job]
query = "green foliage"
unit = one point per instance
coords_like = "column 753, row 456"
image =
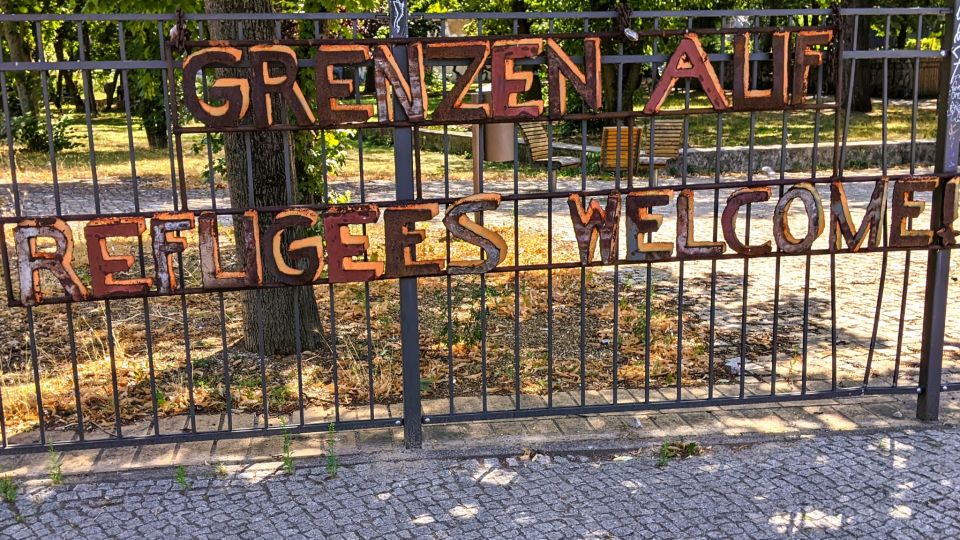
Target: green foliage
column 180, row 478
column 56, row 471
column 30, row 131
column 677, row 450
column 663, row 457
column 278, row 396
column 333, row 462
column 318, row 155
column 142, row 42
column 215, row 142
column 8, row 489
column 287, row 458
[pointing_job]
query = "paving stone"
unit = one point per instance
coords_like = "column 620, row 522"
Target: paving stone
column 848, row 484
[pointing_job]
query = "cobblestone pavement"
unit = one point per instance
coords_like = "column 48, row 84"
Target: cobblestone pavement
column 882, row 484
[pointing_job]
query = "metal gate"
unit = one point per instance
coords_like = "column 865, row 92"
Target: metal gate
column 543, row 334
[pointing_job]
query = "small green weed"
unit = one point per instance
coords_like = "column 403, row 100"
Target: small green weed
column 677, row 449
column 219, row 471
column 181, row 478
column 287, row 459
column 8, row 489
column 333, row 462
column 56, row 469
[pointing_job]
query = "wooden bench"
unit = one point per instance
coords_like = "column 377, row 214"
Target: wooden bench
column 539, row 144
column 616, row 144
column 667, row 141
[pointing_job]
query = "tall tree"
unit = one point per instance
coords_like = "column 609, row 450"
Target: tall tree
column 266, row 312
column 861, row 87
column 66, row 87
column 18, row 37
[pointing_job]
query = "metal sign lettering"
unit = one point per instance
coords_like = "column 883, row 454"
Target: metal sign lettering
column 245, row 80
column 268, row 261
column 250, row 74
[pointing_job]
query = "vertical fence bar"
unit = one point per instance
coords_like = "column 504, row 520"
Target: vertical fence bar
column 409, row 319
column 938, row 261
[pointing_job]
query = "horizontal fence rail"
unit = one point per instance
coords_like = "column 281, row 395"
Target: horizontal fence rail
column 556, row 327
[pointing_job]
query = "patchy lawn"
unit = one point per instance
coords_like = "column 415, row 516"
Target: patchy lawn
column 496, row 302
column 153, row 166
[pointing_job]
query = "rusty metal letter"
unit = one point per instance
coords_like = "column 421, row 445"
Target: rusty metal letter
column 812, row 205
column 841, row 221
column 639, row 204
column 213, row 275
column 103, row 265
column 58, row 262
column 508, row 84
column 595, row 223
column 234, row 92
column 728, row 220
column 342, row 246
column 309, row 250
column 743, row 97
column 402, row 237
column 263, row 83
column 688, row 60
column 460, row 225
column 452, row 107
column 804, row 58
column 412, row 94
column 687, row 246
column 164, row 227
column 904, row 207
column 329, row 88
column 560, row 69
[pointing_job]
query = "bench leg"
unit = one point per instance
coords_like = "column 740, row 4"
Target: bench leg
column 551, row 179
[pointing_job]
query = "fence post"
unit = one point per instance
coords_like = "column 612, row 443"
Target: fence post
column 938, row 262
column 409, row 316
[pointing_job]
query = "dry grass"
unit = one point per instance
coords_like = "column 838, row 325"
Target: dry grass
column 485, row 314
column 474, row 301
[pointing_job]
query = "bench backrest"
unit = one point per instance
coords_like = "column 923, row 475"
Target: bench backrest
column 667, row 137
column 536, row 137
column 614, row 155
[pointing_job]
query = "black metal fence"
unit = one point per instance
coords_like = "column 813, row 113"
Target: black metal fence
column 542, row 335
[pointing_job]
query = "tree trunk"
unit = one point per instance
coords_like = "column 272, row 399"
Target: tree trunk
column 608, row 82
column 861, row 85
column 631, row 81
column 93, row 99
column 66, row 86
column 27, row 94
column 266, row 311
column 110, row 89
column 632, row 77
